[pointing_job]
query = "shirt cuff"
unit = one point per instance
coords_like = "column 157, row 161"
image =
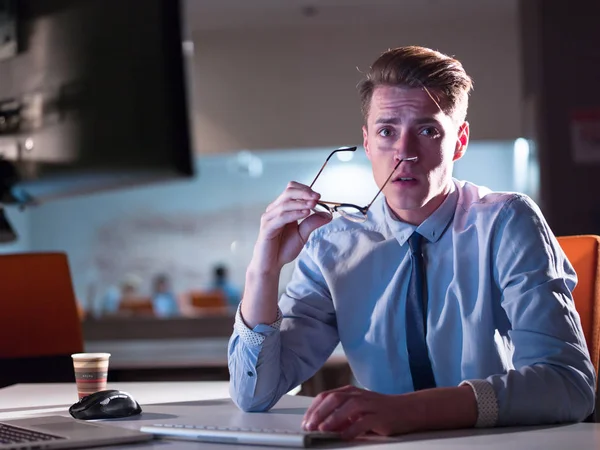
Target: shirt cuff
column 487, row 403
column 255, row 336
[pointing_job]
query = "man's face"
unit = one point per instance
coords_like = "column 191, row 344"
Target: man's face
column 403, row 123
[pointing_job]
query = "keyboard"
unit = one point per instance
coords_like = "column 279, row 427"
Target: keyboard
column 240, row 435
column 14, row 435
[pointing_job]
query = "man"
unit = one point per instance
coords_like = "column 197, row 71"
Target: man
column 221, row 283
column 164, row 301
column 452, row 303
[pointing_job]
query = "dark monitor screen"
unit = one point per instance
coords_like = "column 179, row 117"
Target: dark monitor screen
column 93, row 96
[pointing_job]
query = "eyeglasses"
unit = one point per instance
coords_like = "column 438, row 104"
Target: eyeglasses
column 350, row 211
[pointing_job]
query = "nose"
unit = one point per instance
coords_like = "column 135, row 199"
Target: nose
column 405, row 147
column 398, row 157
column 411, row 159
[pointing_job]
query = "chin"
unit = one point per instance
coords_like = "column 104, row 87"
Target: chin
column 405, row 205
column 407, row 200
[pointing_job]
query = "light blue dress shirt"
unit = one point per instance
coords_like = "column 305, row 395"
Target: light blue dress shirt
column 500, row 310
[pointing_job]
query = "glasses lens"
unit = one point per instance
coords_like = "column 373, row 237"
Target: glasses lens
column 320, row 208
column 352, row 213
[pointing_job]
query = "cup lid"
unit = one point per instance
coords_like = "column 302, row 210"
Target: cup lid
column 90, row 355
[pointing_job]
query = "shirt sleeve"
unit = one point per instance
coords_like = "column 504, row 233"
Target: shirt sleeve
column 255, row 337
column 269, row 360
column 553, row 379
column 487, row 403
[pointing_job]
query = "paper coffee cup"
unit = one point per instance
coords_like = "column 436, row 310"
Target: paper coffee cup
column 91, row 372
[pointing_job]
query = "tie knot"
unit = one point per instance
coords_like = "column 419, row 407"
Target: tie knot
column 414, row 242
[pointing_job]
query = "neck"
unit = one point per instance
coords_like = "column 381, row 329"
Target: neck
column 419, row 215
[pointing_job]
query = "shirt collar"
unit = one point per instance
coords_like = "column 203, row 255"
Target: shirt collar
column 432, row 228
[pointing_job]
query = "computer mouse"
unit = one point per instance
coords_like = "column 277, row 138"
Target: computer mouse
column 109, row 404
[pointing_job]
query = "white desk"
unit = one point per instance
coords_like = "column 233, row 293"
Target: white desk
column 206, row 402
column 23, row 400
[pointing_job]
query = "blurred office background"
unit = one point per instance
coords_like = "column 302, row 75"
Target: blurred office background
column 186, row 228
column 272, row 90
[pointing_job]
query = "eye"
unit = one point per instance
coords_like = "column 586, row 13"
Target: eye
column 430, row 132
column 385, row 132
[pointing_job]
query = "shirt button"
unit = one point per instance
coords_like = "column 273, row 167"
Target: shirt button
column 250, row 374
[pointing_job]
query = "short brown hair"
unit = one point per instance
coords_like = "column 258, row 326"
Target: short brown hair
column 420, row 67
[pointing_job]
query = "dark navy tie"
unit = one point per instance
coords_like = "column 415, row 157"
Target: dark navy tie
column 416, row 319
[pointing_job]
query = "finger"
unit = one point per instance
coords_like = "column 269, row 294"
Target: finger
column 276, row 222
column 359, row 426
column 345, row 388
column 324, row 409
column 311, row 223
column 294, row 191
column 293, row 185
column 289, row 205
column 341, row 418
column 290, row 195
column 312, row 408
column 319, row 399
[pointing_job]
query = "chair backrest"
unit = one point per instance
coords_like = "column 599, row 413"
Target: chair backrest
column 213, row 301
column 584, row 254
column 39, row 311
column 140, row 306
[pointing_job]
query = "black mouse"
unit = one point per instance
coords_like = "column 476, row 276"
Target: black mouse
column 109, row 404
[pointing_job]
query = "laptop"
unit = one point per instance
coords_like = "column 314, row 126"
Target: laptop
column 56, row 432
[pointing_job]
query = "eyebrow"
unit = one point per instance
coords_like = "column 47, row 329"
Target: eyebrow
column 397, row 120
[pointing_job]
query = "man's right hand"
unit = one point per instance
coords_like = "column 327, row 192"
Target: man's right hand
column 281, row 237
column 279, row 242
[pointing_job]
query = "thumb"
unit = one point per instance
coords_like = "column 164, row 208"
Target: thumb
column 311, row 223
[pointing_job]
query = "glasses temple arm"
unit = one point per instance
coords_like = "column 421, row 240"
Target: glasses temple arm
column 320, row 170
column 344, row 149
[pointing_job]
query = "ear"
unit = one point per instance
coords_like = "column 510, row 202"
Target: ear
column 461, row 142
column 366, row 141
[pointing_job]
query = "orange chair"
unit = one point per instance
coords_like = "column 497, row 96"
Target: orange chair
column 140, row 306
column 209, row 302
column 584, row 254
column 39, row 323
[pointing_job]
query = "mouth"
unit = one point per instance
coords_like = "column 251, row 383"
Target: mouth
column 405, row 180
